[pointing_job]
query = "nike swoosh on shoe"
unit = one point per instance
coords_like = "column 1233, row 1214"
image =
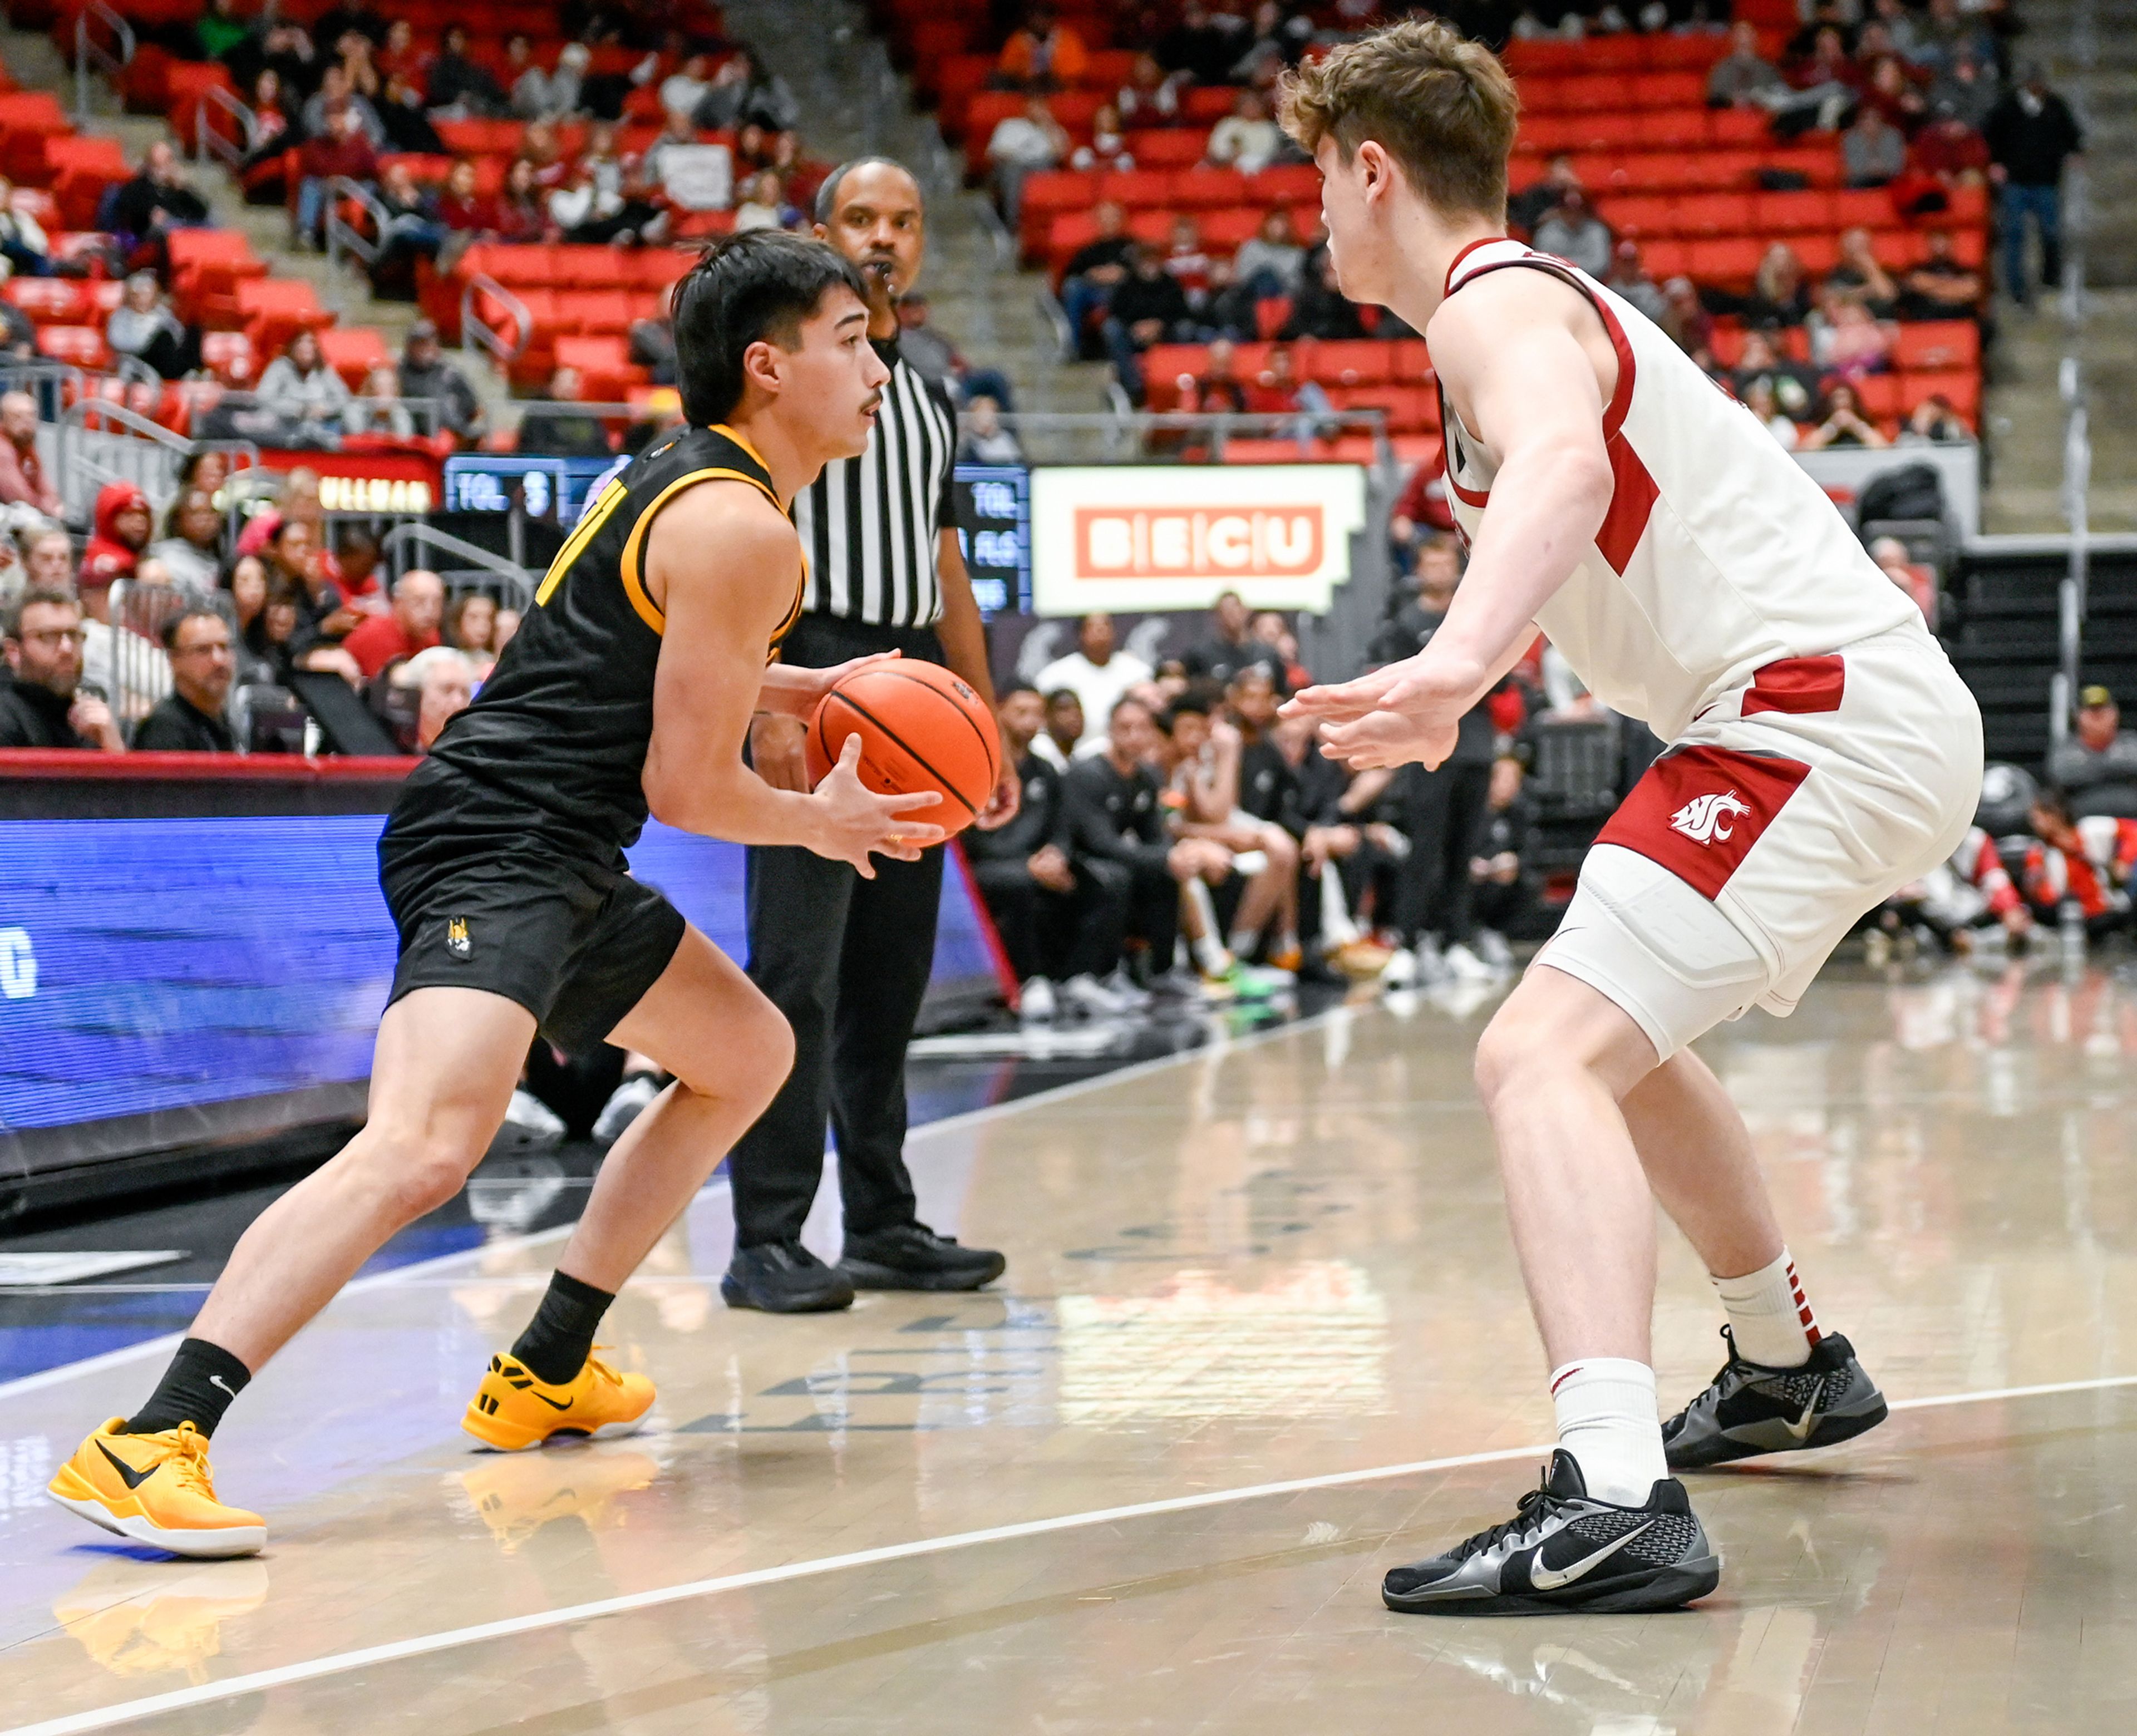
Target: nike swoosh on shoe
column 1551, row 1579
column 134, row 1478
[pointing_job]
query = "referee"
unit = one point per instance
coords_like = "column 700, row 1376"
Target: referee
column 847, row 960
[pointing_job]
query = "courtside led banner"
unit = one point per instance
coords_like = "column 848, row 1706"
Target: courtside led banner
column 1174, row 536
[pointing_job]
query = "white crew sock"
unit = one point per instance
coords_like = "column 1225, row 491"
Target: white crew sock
column 1244, row 940
column 1209, row 954
column 1771, row 1322
column 1337, row 930
column 1607, row 1420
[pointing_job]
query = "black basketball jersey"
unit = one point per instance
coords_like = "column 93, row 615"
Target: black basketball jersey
column 554, row 745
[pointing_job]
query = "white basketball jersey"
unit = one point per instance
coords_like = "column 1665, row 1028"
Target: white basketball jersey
column 1718, row 554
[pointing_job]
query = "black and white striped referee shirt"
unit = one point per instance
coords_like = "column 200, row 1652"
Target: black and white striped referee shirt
column 869, row 524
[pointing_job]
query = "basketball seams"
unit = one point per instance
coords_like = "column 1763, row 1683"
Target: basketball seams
column 945, row 787
column 991, row 748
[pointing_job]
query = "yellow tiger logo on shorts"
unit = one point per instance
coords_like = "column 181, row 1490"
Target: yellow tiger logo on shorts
column 456, row 937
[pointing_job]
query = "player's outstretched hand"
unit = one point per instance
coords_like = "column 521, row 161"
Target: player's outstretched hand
column 1343, row 701
column 1417, row 715
column 857, row 823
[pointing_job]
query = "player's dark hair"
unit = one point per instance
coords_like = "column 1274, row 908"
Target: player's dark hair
column 752, row 288
column 1015, row 688
column 1187, row 705
column 1060, row 694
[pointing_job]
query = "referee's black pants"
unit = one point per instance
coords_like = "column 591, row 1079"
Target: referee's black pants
column 847, row 960
column 1446, row 813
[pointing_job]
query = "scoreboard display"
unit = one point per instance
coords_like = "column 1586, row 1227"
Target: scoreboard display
column 994, row 530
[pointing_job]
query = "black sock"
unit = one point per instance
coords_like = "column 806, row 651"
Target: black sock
column 560, row 1336
column 197, row 1388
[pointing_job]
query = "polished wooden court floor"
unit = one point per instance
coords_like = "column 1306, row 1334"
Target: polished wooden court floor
column 1262, row 1338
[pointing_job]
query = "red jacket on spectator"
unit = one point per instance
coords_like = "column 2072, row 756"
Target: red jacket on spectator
column 376, row 643
column 109, row 556
column 1950, row 146
column 329, row 155
column 475, row 215
column 1978, row 862
column 22, row 478
column 2095, row 878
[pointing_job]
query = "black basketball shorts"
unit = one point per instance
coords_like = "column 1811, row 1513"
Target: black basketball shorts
column 577, row 943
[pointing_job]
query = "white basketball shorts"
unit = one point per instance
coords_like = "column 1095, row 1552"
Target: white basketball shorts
column 1790, row 806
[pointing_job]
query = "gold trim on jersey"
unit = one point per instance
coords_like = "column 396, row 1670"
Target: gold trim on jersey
column 575, row 545
column 634, row 583
column 721, row 428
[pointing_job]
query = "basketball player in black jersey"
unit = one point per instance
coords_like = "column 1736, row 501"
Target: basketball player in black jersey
column 629, row 688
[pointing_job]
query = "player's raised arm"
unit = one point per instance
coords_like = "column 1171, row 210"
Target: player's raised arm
column 725, row 561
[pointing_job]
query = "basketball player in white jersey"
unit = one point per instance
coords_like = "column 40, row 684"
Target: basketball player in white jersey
column 1822, row 753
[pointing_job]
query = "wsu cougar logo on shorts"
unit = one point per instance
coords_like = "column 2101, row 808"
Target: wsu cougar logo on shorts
column 1710, row 818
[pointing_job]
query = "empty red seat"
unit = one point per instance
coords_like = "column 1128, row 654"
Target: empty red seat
column 1666, row 90
column 1863, row 208
column 1136, row 188
column 352, row 351
column 1961, row 390
column 1356, row 362
column 1164, row 148
column 81, row 345
column 48, row 300
column 1290, row 184
column 1938, row 345
column 1879, row 394
column 1641, row 219
column 1714, row 214
column 1729, row 263
column 1791, row 213
column 229, row 356
column 1223, row 231
column 1209, row 189
column 596, row 311
column 1410, row 360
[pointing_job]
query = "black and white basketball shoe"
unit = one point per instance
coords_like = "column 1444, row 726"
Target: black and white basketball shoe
column 1749, row 1409
column 1564, row 1552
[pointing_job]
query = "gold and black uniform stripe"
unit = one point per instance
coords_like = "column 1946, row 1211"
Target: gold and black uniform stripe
column 553, row 748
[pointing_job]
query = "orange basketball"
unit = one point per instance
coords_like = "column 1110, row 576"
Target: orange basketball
column 922, row 728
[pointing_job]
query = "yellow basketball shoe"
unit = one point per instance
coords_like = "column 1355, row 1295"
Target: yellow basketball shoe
column 512, row 1411
column 155, row 1489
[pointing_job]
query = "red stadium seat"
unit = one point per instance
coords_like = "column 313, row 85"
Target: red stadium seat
column 352, row 351
column 1863, row 208
column 1354, row 362
column 1209, row 189
column 1962, row 390
column 1411, row 361
column 1729, row 264
column 48, row 300
column 1136, row 188
column 1739, row 127
column 1938, row 345
column 1714, row 214
column 1879, row 394
column 1640, row 220
column 81, row 345
column 1292, row 183
column 1774, row 214
column 1167, row 147
column 229, row 356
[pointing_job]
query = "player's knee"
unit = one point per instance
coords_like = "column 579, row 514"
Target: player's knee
column 1516, row 1052
column 418, row 1172
column 750, row 1061
column 1282, row 849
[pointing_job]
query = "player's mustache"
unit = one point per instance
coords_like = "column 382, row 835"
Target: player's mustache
column 875, row 403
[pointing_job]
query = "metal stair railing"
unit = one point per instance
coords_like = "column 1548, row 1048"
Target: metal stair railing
column 474, row 329
column 481, row 568
column 89, row 52
column 207, row 142
column 101, row 442
column 342, row 236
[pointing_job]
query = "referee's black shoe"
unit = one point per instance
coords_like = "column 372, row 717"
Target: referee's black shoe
column 784, row 1277
column 912, row 1256
column 1748, row 1409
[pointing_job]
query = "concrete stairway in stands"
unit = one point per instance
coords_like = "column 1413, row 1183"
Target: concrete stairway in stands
column 852, row 104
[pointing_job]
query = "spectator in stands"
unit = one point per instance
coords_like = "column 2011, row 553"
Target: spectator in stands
column 1761, row 359
column 377, row 409
column 157, row 198
column 299, row 386
column 2031, row 134
column 464, row 213
column 277, row 45
column 1112, row 813
column 296, row 563
column 744, row 90
column 1686, row 319
column 1846, row 339
column 1019, row 145
column 1761, row 397
column 567, row 434
column 398, row 56
column 145, row 326
column 1064, row 728
column 1319, row 310
column 983, row 439
column 122, row 526
column 218, row 30
column 1573, row 231
column 190, row 719
column 426, row 375
column 1189, row 261
column 1842, row 421
column 1968, row 88
column 460, row 86
column 1860, row 275
column 2097, row 765
column 341, row 150
column 1269, row 261
column 685, row 88
column 1873, row 152
column 18, row 333
column 1529, row 207
column 763, row 204
column 1894, row 95
column 1149, row 99
column 23, row 242
column 48, row 562
column 193, row 542
column 690, row 176
column 1219, row 390
column 1953, row 30
column 410, row 229
column 1150, row 308
column 1947, row 154
column 507, row 624
column 410, row 626
column 1108, row 148
column 1098, row 268
column 1933, row 422
column 1247, row 140
column 1277, row 390
column 1744, row 78
column 444, row 680
column 40, row 706
column 247, row 586
column 1269, row 628
column 1231, row 647
column 1276, row 38
column 400, row 113
column 1042, row 54
column 1096, row 672
column 540, row 95
column 22, row 478
column 337, row 90
column 470, row 627
column 1629, row 277
column 523, row 214
column 1201, row 47
column 1781, row 295
column 275, row 130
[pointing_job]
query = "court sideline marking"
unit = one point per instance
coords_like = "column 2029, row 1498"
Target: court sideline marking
column 261, row 1681
column 1224, row 1046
